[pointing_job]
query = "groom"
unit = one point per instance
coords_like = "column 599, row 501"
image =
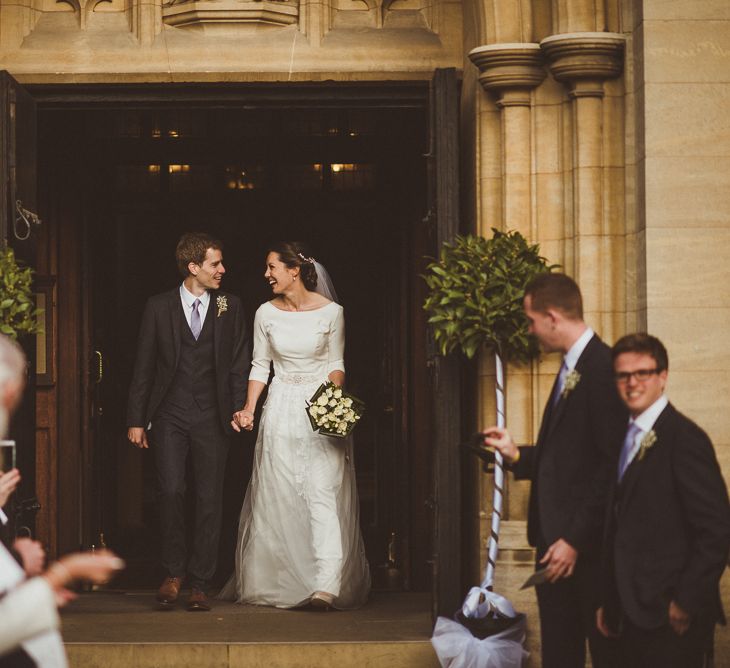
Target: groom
column 190, row 375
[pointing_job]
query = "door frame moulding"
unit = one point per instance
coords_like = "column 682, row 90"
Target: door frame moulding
column 412, row 94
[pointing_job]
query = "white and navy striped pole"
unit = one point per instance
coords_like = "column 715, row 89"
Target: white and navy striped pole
column 498, row 499
column 482, row 601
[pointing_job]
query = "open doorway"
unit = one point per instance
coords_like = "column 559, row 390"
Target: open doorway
column 350, row 181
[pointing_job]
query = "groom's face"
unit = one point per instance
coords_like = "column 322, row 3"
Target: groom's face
column 210, row 273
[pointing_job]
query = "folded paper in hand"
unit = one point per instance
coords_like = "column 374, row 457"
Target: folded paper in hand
column 537, row 578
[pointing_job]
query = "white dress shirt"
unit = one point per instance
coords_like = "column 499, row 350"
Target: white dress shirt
column 188, row 298
column 576, row 350
column 645, row 423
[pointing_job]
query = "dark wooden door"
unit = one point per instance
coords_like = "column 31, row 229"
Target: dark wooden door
column 443, row 221
column 18, row 229
column 351, row 182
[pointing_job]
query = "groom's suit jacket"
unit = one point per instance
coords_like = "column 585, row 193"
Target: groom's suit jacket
column 158, row 354
column 667, row 529
column 576, row 452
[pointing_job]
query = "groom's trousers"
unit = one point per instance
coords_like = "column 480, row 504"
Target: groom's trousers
column 198, row 434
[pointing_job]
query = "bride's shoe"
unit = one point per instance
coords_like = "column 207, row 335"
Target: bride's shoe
column 321, row 601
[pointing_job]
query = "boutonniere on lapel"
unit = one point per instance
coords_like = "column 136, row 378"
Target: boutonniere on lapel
column 572, row 378
column 222, row 303
column 647, row 442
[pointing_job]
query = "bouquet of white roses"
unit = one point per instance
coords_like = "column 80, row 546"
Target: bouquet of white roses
column 334, row 412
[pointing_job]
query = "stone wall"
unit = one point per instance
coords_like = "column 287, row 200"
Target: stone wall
column 620, row 169
column 110, row 41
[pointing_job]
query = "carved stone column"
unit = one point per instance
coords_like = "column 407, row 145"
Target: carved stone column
column 510, row 72
column 583, row 62
column 146, row 21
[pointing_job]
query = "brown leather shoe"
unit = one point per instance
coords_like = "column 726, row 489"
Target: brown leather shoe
column 198, row 601
column 169, row 592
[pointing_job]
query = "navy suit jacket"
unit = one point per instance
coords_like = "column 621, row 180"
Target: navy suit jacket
column 576, row 453
column 158, row 353
column 667, row 529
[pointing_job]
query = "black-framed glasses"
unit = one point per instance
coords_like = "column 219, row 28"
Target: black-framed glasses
column 642, row 375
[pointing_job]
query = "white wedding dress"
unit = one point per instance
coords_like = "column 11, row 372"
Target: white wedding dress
column 299, row 531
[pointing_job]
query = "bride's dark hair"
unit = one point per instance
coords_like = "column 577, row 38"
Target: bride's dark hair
column 296, row 254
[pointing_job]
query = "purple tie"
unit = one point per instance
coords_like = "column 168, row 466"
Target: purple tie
column 195, row 325
column 623, row 461
column 559, row 384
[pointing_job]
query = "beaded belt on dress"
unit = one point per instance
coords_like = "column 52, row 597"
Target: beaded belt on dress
column 299, row 378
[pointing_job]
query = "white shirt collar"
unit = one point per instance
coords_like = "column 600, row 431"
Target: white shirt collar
column 646, row 420
column 189, row 298
column 576, row 350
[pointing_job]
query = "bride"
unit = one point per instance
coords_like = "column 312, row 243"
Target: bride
column 299, row 541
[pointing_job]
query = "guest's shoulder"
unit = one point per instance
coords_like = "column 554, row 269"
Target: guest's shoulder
column 677, row 426
column 596, row 357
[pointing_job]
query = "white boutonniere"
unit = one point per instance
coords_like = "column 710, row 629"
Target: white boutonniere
column 647, row 442
column 222, row 303
column 572, row 378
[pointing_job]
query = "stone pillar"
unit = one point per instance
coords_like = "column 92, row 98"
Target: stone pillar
column 510, row 72
column 593, row 253
column 146, row 20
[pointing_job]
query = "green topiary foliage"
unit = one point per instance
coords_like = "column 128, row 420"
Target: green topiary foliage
column 476, row 293
column 18, row 313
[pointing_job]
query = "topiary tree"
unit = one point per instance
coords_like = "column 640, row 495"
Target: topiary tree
column 18, row 313
column 475, row 302
column 476, row 292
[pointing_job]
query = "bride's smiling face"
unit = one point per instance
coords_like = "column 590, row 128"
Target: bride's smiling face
column 279, row 276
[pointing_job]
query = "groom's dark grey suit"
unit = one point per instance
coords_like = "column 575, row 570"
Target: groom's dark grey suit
column 188, row 390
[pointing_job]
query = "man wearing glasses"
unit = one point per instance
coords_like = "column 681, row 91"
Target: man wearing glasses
column 668, row 523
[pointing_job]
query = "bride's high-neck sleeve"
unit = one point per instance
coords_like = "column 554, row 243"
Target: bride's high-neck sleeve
column 336, row 348
column 261, row 362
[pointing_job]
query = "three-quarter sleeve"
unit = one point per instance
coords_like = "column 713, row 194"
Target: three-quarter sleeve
column 261, row 361
column 336, row 348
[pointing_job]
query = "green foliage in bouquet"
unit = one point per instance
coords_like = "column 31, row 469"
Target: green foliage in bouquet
column 18, row 314
column 476, row 292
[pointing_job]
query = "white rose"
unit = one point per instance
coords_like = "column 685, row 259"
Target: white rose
column 313, row 411
column 321, row 410
column 322, row 400
column 338, row 410
column 350, row 416
column 342, row 425
column 338, row 393
column 347, row 402
column 332, row 403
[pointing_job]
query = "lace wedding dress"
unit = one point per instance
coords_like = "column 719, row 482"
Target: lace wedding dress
column 299, row 529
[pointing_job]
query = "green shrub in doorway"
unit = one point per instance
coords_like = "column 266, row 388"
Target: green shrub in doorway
column 18, row 313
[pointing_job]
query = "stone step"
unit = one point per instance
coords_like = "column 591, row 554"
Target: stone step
column 124, row 630
column 403, row 654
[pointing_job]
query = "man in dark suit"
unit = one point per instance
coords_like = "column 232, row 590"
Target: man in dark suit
column 667, row 526
column 570, row 469
column 190, row 376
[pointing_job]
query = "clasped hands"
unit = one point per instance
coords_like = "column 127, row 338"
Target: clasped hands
column 243, row 419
